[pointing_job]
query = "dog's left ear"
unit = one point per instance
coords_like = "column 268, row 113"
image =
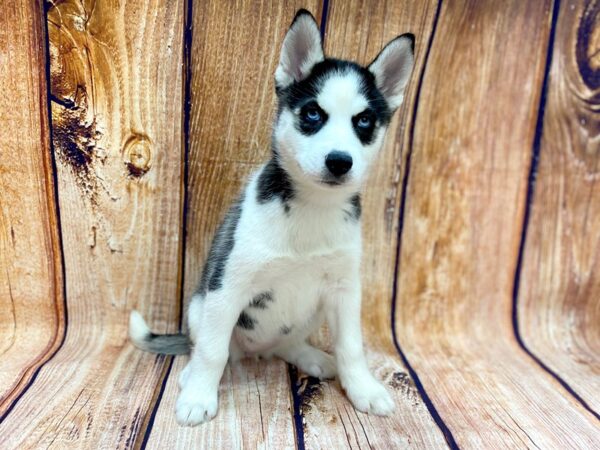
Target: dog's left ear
column 301, row 50
column 392, row 68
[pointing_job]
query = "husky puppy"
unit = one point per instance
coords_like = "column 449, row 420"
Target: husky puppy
column 287, row 255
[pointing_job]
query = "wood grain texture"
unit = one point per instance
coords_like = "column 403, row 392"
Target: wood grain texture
column 559, row 299
column 358, row 30
column 116, row 82
column 31, row 296
column 463, row 219
column 235, row 50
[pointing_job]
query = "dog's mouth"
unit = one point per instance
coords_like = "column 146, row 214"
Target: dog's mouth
column 330, row 180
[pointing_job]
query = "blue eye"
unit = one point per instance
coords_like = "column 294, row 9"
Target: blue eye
column 313, row 115
column 364, row 122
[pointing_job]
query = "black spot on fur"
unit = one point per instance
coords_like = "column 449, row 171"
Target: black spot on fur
column 355, row 210
column 260, row 301
column 274, row 182
column 356, row 206
column 222, row 245
column 285, row 330
column 246, row 322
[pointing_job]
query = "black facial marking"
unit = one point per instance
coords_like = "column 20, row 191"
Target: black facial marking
column 299, row 94
column 274, row 182
column 364, row 126
column 222, row 245
column 355, row 208
column 260, row 301
column 246, row 322
column 311, row 118
column 285, row 330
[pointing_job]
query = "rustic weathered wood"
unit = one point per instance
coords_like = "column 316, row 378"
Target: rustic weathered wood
column 559, row 299
column 31, row 297
column 116, row 82
column 330, row 421
column 235, row 49
column 117, row 125
column 463, row 219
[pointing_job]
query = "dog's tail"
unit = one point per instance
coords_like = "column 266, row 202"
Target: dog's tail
column 166, row 344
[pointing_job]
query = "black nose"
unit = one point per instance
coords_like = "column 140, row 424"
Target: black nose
column 338, row 163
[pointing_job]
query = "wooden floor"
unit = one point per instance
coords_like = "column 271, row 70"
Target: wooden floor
column 127, row 129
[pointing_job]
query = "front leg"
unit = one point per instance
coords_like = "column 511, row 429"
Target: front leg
column 211, row 319
column 364, row 391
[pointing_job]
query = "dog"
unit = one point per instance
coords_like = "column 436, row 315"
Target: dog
column 287, row 255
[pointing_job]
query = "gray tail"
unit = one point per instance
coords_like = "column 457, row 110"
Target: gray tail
column 166, row 344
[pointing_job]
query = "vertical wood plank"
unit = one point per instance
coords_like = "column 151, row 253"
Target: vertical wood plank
column 31, row 297
column 116, row 73
column 358, row 30
column 235, row 49
column 462, row 226
column 559, row 299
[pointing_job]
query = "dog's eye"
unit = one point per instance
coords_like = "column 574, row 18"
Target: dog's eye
column 311, row 118
column 364, row 122
column 313, row 115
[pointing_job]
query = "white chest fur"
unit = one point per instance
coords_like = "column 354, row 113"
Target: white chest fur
column 291, row 257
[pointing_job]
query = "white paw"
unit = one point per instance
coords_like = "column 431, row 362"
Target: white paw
column 317, row 363
column 196, row 405
column 370, row 396
column 183, row 376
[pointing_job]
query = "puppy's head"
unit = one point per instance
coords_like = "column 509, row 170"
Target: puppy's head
column 333, row 114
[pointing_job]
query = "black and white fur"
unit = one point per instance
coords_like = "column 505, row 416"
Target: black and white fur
column 287, row 255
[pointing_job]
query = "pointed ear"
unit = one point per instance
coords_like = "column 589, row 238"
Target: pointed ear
column 301, row 50
column 392, row 68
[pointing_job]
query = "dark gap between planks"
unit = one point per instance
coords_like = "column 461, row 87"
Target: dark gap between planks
column 413, row 374
column 187, row 63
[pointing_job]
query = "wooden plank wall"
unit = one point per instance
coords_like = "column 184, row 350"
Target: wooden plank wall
column 559, row 305
column 30, row 260
column 117, row 91
column 463, row 221
column 481, row 222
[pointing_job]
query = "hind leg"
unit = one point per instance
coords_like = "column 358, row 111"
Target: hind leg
column 308, row 359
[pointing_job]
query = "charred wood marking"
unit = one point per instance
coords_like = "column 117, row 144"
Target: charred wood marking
column 77, row 100
column 403, row 383
column 306, row 390
column 74, row 142
column 75, row 133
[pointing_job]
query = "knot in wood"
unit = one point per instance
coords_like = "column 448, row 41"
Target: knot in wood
column 588, row 46
column 138, row 155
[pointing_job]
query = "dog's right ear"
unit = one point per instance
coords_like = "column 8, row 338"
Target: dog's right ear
column 302, row 49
